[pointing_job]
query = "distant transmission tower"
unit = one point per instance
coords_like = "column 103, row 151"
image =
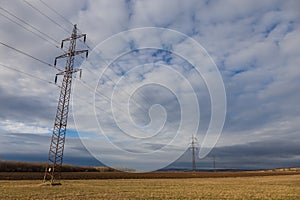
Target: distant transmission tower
column 214, row 163
column 56, row 151
column 193, row 146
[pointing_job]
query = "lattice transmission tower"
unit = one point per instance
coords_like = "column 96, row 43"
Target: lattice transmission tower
column 56, row 151
column 194, row 147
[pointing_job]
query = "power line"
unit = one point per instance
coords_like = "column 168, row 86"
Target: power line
column 140, row 94
column 56, row 12
column 35, row 8
column 50, row 82
column 23, row 21
column 41, row 37
column 91, row 104
column 27, row 74
column 52, row 20
column 53, row 10
column 214, row 163
column 39, row 11
column 63, row 17
column 54, row 43
column 26, row 54
column 114, row 83
column 56, row 150
column 108, row 99
column 87, row 44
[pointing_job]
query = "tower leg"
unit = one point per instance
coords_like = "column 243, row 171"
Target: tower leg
column 57, row 144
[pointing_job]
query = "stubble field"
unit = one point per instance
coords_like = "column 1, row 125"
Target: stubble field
column 257, row 187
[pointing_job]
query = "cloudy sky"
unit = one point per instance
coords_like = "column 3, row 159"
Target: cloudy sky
column 152, row 75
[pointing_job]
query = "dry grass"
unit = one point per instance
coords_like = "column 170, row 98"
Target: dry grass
column 267, row 187
column 148, row 175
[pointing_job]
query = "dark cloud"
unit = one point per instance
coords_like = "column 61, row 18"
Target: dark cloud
column 27, row 108
column 254, row 155
column 254, row 43
column 31, row 147
column 273, row 153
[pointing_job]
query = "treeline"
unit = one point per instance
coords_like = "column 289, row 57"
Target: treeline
column 13, row 166
column 115, row 169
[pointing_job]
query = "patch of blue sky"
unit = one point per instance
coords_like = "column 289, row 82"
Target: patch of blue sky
column 238, row 71
column 269, row 29
column 290, row 27
column 132, row 45
column 72, row 133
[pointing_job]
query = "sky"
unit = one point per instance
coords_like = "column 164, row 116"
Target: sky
column 156, row 73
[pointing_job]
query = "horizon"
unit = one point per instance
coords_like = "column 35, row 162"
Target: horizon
column 227, row 73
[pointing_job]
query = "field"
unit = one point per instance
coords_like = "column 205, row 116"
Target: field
column 253, row 187
column 149, row 175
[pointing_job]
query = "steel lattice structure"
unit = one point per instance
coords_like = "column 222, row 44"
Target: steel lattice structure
column 56, row 151
column 193, row 147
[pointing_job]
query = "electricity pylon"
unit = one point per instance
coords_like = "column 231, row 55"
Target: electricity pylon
column 193, row 146
column 56, row 151
column 214, row 163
